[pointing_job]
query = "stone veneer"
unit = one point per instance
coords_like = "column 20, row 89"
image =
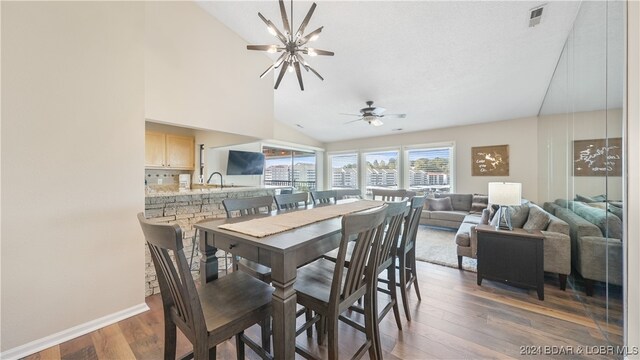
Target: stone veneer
column 186, row 209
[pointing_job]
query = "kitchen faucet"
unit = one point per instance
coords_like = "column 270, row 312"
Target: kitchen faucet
column 210, row 176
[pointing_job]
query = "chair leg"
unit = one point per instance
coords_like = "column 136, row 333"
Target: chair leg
column 265, row 333
column 308, row 315
column 459, row 262
column 371, row 322
column 414, row 273
column 588, row 285
column 391, row 285
column 212, row 353
column 321, row 329
column 239, row 347
column 403, row 286
column 169, row 338
column 563, row 281
column 332, row 322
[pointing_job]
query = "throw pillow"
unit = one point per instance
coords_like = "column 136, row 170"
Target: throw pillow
column 538, row 219
column 479, row 203
column 600, row 198
column 442, row 204
column 518, row 214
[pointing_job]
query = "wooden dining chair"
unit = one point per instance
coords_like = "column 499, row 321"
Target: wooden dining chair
column 330, row 288
column 391, row 194
column 207, row 315
column 291, row 201
column 244, row 207
column 324, row 197
column 406, row 253
column 348, row 194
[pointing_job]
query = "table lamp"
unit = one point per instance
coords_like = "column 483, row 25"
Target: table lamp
column 505, row 194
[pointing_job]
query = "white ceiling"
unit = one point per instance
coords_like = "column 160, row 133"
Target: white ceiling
column 442, row 63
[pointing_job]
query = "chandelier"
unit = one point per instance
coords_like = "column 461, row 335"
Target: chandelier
column 293, row 46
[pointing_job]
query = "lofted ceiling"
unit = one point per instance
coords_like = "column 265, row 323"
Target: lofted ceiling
column 442, row 63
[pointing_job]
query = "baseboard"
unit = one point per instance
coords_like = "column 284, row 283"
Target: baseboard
column 71, row 333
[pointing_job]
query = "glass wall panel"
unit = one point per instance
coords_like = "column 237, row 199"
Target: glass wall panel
column 581, row 157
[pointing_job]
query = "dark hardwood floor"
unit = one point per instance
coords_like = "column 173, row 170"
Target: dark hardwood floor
column 455, row 320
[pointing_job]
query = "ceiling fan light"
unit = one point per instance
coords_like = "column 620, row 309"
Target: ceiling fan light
column 376, row 122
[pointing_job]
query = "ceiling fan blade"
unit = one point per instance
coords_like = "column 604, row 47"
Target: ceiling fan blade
column 306, row 20
column 321, row 52
column 267, row 71
column 360, row 115
column 299, row 75
column 378, row 110
column 352, row 121
column 314, row 34
column 261, row 47
column 285, row 20
column 394, row 116
column 282, row 72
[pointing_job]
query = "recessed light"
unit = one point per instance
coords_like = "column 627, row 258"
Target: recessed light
column 397, row 129
column 300, row 126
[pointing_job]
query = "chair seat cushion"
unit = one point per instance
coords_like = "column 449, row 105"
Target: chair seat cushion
column 232, row 298
column 472, row 219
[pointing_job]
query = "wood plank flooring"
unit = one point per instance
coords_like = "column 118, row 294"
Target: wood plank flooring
column 456, row 319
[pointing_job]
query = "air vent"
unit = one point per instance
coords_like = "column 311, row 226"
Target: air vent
column 536, row 15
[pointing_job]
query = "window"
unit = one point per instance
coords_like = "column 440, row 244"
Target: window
column 344, row 171
column 429, row 170
column 285, row 167
column 381, row 170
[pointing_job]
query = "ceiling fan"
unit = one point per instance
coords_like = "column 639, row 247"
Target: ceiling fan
column 373, row 115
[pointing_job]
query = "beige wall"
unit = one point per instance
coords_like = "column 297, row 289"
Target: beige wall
column 72, row 108
column 286, row 133
column 198, row 73
column 519, row 134
column 556, row 134
column 632, row 321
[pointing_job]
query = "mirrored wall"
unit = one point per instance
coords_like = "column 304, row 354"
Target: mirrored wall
column 581, row 159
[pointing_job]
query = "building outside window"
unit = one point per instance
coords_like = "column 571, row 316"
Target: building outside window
column 344, row 171
column 430, row 170
column 381, row 170
column 285, row 167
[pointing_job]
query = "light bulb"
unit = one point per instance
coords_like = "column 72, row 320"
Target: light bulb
column 271, row 30
column 272, row 49
column 290, row 68
column 314, row 37
column 311, row 52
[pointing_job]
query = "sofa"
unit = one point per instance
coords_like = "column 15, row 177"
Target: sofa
column 453, row 214
column 595, row 257
column 557, row 241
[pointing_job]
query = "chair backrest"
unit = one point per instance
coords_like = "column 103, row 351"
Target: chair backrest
column 386, row 250
column 365, row 227
column 247, row 206
column 179, row 297
column 291, row 201
column 411, row 222
column 324, row 197
column 348, row 194
column 391, row 195
column 286, row 191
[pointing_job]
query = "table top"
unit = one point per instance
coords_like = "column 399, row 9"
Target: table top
column 281, row 242
column 535, row 234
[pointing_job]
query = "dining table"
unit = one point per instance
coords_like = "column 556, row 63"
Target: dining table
column 283, row 252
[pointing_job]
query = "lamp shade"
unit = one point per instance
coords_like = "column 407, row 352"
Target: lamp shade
column 503, row 193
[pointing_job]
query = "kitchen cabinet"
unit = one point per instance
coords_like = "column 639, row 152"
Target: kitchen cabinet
column 169, row 151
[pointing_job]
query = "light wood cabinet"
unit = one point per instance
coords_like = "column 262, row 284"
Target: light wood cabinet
column 169, row 151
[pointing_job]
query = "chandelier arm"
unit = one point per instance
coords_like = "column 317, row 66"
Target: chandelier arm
column 302, row 61
column 261, row 47
column 305, row 22
column 315, row 72
column 323, row 52
column 267, row 71
column 280, row 60
column 299, row 75
column 282, row 72
column 273, row 28
column 283, row 13
column 306, row 39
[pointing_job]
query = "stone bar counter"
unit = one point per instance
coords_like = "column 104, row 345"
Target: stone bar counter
column 187, row 208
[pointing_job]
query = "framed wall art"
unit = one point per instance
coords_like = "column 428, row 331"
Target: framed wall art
column 597, row 157
column 490, row 160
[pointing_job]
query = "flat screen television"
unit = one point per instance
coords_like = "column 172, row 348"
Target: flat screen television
column 245, row 163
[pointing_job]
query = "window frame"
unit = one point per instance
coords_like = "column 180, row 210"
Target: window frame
column 330, row 156
column 432, row 146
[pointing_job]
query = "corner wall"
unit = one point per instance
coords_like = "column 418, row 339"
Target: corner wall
column 72, row 109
